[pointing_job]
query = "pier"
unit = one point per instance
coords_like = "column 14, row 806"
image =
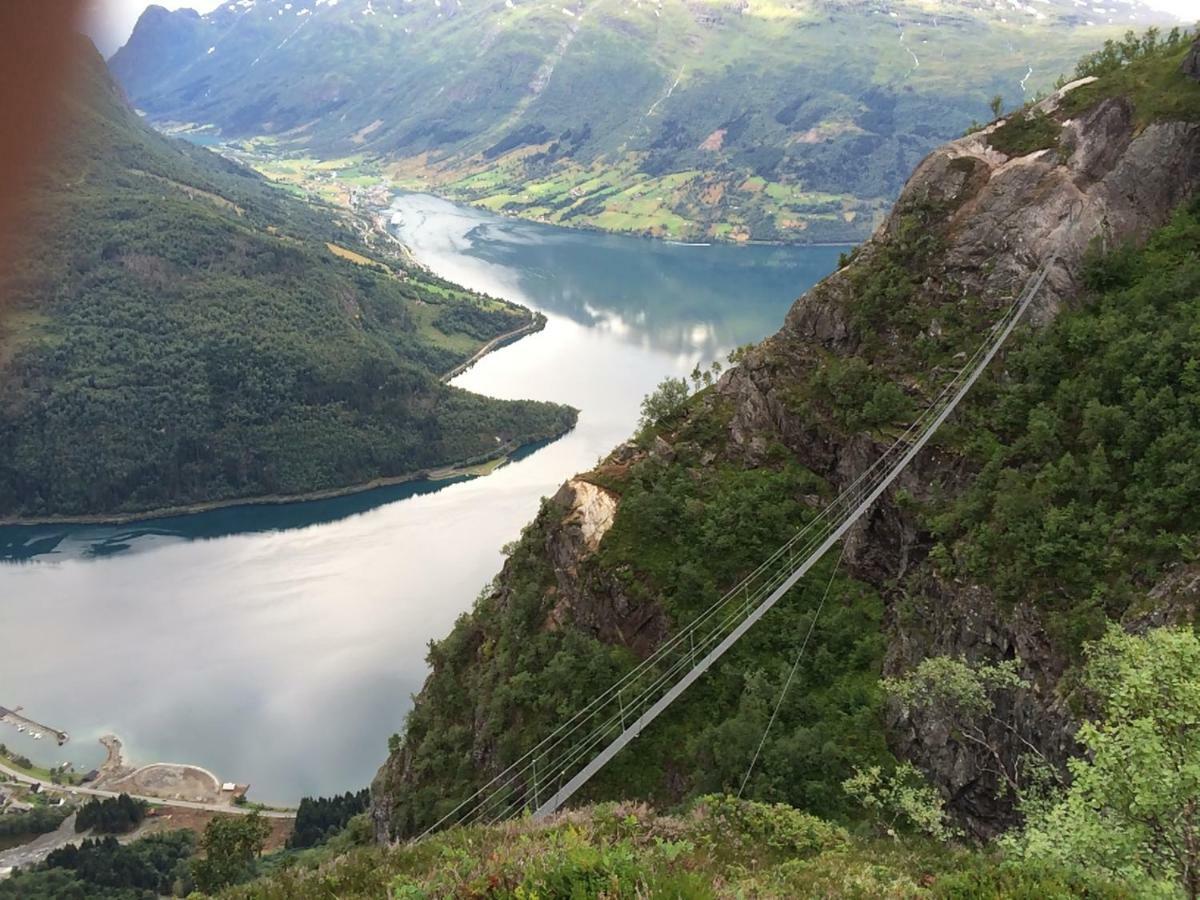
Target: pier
column 34, row 729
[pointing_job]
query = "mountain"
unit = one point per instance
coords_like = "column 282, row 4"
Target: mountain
column 1062, row 496
column 792, row 120
column 178, row 331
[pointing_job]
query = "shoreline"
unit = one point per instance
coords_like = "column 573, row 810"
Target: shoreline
column 437, row 190
column 434, row 191
column 443, row 473
column 538, row 323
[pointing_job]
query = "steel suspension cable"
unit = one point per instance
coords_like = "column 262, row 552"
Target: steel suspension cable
column 764, row 580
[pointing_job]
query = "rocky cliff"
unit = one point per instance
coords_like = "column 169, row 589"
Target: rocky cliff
column 1001, row 217
column 1100, row 164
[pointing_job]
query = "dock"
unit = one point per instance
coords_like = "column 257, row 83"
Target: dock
column 33, row 728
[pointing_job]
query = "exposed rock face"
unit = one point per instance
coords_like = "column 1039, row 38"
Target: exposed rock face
column 584, row 596
column 1175, row 600
column 591, row 513
column 587, row 595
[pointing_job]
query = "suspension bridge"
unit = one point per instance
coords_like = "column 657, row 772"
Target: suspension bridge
column 549, row 774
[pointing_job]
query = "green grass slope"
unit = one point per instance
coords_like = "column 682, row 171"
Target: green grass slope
column 178, row 331
column 715, row 848
column 794, row 120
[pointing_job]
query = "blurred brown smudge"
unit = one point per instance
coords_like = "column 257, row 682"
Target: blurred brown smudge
column 39, row 50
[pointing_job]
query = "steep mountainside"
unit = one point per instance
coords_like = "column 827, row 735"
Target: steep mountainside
column 1063, row 495
column 767, row 119
column 179, row 331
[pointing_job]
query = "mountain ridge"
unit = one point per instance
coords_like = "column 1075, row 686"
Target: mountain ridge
column 703, row 120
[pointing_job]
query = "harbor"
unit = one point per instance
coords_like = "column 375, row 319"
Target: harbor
column 34, row 729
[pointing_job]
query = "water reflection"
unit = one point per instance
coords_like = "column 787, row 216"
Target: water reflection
column 279, row 645
column 21, row 543
column 676, row 298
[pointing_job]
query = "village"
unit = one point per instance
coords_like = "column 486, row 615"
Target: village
column 38, row 806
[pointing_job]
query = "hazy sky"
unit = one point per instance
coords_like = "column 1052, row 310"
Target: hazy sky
column 112, row 20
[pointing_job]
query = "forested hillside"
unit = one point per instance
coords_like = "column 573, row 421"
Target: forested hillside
column 793, row 120
column 176, row 330
column 1061, row 499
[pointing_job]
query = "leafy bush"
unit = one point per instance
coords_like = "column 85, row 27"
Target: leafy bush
column 39, row 820
column 664, row 403
column 902, row 795
column 856, row 396
column 984, row 877
column 229, row 848
column 1131, row 811
column 733, row 826
column 1025, row 132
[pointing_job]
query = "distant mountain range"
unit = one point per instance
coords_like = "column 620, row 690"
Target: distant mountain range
column 178, row 331
column 767, row 119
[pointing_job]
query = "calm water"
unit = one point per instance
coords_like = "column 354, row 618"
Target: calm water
column 280, row 645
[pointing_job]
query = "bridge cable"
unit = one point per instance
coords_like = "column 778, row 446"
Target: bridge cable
column 507, row 792
column 792, row 674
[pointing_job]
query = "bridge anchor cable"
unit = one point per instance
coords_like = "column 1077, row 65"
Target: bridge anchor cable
column 611, row 720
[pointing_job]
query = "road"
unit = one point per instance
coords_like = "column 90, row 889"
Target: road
column 42, row 846
column 51, row 787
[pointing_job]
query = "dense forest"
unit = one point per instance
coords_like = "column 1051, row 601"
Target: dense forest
column 320, row 818
column 1089, row 451
column 103, row 869
column 177, row 330
column 110, row 815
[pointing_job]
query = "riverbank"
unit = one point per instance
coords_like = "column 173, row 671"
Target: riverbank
column 473, row 467
column 468, row 468
column 537, row 324
column 586, row 227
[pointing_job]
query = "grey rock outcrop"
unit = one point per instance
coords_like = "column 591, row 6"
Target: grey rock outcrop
column 588, row 596
column 1191, row 62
